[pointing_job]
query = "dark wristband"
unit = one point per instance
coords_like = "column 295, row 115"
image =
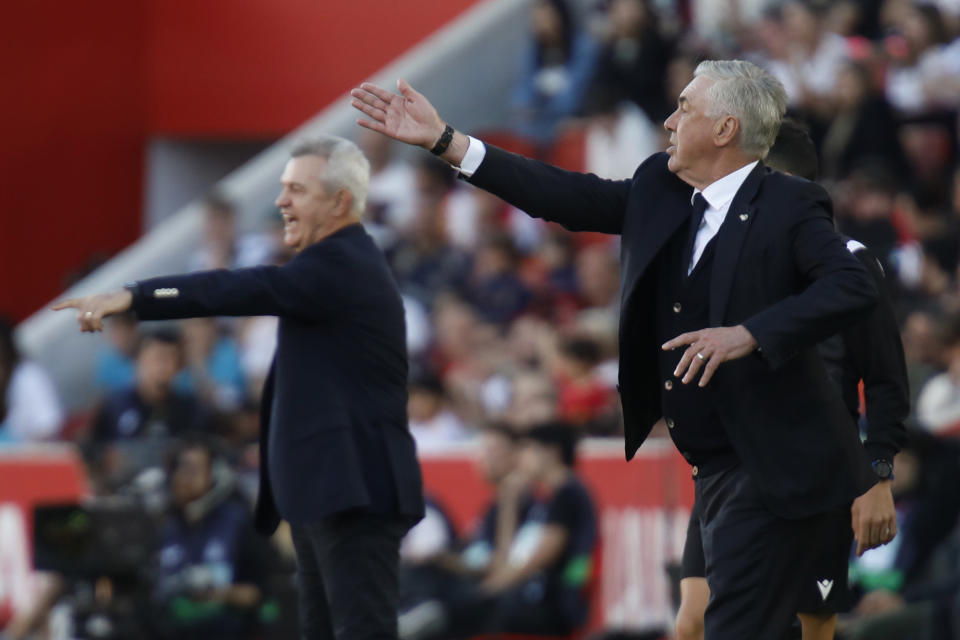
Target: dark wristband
column 443, row 142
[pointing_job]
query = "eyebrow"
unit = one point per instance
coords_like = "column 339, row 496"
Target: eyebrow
column 681, row 100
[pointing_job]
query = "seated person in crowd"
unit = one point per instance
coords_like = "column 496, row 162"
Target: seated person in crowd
column 29, row 407
column 211, row 563
column 214, row 371
column 429, row 585
column 221, row 246
column 115, row 368
column 130, row 422
column 538, row 582
column 912, row 586
column 433, row 424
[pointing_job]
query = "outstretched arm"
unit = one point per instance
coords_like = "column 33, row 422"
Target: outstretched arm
column 291, row 290
column 580, row 202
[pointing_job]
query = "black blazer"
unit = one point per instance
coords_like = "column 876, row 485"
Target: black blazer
column 779, row 268
column 333, row 430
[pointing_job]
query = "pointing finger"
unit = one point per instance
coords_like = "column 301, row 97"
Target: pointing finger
column 71, row 303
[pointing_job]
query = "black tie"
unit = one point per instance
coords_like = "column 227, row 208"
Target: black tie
column 699, row 207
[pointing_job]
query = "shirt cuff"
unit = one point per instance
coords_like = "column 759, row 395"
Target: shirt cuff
column 476, row 151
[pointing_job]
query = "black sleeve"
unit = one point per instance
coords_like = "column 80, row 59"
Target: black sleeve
column 839, row 293
column 307, row 288
column 874, row 347
column 578, row 201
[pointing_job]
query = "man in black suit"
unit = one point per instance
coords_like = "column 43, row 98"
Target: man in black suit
column 723, row 263
column 870, row 351
column 339, row 462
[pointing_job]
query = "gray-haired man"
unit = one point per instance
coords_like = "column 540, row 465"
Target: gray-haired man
column 731, row 272
column 338, row 461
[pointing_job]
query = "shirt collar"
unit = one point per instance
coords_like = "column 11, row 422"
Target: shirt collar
column 718, row 194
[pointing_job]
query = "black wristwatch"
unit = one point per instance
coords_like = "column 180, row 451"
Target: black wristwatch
column 883, row 469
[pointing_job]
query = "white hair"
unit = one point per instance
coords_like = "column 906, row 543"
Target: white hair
column 347, row 167
column 750, row 94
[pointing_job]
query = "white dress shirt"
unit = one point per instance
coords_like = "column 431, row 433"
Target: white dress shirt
column 718, row 195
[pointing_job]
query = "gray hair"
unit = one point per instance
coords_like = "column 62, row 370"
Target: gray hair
column 347, row 167
column 750, row 94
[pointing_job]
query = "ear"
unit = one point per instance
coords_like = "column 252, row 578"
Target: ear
column 725, row 130
column 343, row 203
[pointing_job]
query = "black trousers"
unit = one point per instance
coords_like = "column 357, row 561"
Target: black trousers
column 762, row 569
column 347, row 568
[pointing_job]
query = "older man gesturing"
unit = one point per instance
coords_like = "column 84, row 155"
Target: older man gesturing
column 731, row 274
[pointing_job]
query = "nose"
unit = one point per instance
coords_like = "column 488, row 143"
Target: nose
column 282, row 200
column 670, row 123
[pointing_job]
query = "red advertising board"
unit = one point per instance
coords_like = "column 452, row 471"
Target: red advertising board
column 643, row 508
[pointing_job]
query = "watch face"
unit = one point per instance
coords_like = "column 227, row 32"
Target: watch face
column 883, row 469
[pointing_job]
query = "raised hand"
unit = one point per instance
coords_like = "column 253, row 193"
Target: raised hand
column 93, row 309
column 408, row 117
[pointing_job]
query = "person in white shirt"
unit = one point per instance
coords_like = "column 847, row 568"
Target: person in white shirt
column 29, row 407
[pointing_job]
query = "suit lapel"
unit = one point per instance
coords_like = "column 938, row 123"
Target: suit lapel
column 729, row 242
column 654, row 233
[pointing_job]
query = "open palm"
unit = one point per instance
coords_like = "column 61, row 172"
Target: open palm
column 408, row 117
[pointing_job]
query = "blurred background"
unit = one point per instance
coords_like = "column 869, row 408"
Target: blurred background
column 145, row 137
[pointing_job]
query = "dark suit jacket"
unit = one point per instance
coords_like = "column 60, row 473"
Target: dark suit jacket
column 334, row 414
column 779, row 268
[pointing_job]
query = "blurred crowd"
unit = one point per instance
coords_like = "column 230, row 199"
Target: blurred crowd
column 512, row 322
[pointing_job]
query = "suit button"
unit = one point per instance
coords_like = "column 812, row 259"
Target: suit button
column 695, row 471
column 677, row 307
column 670, row 423
column 668, row 385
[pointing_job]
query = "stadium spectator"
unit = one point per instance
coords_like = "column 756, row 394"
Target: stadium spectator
column 619, row 135
column 536, row 583
column 115, row 368
column 910, row 588
column 938, row 407
column 448, row 579
column 541, row 586
column 924, row 74
column 633, row 58
column 424, row 261
column 29, row 407
column 391, row 200
column 863, row 128
column 493, row 287
column 816, row 56
column 212, row 568
column 432, row 423
column 152, row 407
column 214, row 371
column 585, row 400
column 222, row 246
column 555, row 72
